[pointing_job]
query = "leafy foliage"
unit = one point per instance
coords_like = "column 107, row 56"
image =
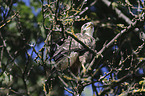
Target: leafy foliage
column 30, row 33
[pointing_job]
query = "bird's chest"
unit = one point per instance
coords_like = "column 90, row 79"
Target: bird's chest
column 72, row 44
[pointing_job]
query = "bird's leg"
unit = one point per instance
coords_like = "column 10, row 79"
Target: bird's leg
column 83, row 61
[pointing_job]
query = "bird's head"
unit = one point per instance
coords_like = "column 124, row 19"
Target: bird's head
column 88, row 28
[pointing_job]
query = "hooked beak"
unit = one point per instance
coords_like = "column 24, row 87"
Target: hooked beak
column 91, row 25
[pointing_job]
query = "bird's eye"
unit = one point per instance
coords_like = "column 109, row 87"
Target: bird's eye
column 83, row 31
column 85, row 25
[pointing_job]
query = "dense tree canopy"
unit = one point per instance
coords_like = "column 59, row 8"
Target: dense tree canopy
column 32, row 30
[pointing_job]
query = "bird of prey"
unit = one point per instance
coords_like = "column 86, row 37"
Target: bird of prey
column 71, row 54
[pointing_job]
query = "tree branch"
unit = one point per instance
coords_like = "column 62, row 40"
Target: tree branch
column 118, row 12
column 131, row 26
column 79, row 41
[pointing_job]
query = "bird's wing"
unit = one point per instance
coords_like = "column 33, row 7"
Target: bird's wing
column 68, row 53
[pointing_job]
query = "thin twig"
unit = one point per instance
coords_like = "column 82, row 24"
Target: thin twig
column 79, row 41
column 117, row 36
